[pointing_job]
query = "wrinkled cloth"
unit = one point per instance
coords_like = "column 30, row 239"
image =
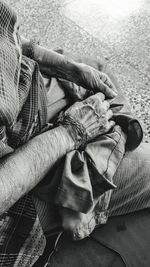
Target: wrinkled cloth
column 86, row 176
column 23, row 114
column 122, row 235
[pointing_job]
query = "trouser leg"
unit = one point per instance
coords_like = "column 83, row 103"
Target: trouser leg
column 133, row 182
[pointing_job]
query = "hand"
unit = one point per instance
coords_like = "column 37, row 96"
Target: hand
column 95, row 80
column 74, row 91
column 88, row 119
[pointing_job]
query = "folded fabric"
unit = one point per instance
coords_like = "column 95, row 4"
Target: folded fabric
column 86, row 175
column 89, row 174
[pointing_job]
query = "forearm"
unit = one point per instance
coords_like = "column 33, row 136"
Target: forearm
column 25, row 168
column 55, row 65
column 52, row 63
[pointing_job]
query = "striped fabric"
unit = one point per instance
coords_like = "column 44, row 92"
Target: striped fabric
column 21, row 237
column 133, row 182
column 21, row 92
column 10, row 55
column 32, row 105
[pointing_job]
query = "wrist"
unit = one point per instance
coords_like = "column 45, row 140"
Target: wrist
column 75, row 130
column 67, row 139
column 29, row 47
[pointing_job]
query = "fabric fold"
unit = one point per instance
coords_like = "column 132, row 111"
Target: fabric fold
column 88, row 174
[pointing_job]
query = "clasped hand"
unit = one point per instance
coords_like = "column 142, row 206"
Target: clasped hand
column 97, row 81
column 88, row 119
column 88, row 82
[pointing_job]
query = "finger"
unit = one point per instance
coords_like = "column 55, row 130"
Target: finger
column 111, row 124
column 95, row 110
column 106, row 90
column 96, row 107
column 105, row 78
column 102, row 108
column 94, row 127
column 93, row 132
column 99, row 97
column 109, row 83
column 105, row 105
column 76, row 92
column 109, row 114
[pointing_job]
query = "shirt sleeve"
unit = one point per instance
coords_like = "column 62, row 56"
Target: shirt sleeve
column 5, row 148
column 10, row 60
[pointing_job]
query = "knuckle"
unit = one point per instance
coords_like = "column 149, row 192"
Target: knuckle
column 104, row 110
column 104, row 123
column 105, row 105
column 109, row 114
column 89, row 100
column 108, row 104
column 107, row 126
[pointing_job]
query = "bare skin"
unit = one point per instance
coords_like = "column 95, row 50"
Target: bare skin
column 56, row 65
column 25, row 168
column 79, row 225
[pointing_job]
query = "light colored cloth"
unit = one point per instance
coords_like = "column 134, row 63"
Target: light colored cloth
column 133, row 182
column 84, row 178
column 124, row 240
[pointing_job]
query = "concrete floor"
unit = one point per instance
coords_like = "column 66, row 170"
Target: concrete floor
column 117, row 29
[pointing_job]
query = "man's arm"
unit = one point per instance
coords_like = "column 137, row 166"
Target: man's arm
column 56, row 65
column 22, row 170
column 50, row 62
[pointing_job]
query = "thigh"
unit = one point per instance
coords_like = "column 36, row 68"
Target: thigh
column 56, row 98
column 133, row 182
column 87, row 252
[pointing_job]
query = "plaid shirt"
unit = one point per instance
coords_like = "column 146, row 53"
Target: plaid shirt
column 22, row 115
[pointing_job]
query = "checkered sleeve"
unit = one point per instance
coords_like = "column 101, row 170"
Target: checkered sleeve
column 21, row 237
column 10, row 58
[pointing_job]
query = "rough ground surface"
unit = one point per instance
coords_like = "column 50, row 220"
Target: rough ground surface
column 117, row 29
